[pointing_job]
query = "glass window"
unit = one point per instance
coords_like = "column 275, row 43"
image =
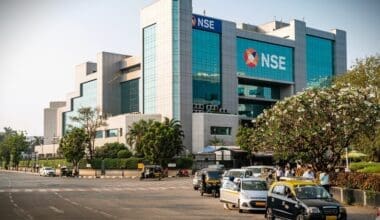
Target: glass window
column 149, row 68
column 206, row 67
column 319, row 61
column 252, row 110
column 259, row 91
column 112, row 132
column 130, row 96
column 220, row 130
column 264, row 60
column 87, row 98
column 279, row 189
column 99, row 134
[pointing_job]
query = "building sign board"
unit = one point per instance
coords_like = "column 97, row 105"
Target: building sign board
column 206, row 23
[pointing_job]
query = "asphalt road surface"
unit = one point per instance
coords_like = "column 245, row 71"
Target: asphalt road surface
column 25, row 196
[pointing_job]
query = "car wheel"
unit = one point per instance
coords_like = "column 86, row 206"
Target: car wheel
column 269, row 214
column 300, row 217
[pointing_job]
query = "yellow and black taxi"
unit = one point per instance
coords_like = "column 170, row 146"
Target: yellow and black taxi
column 300, row 199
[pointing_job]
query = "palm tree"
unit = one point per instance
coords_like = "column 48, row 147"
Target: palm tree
column 135, row 133
column 178, row 133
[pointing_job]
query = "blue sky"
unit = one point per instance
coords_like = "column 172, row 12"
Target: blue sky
column 41, row 41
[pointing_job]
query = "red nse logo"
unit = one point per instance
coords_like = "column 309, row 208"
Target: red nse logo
column 251, row 57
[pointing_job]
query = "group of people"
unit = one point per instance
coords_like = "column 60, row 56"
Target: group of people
column 307, row 173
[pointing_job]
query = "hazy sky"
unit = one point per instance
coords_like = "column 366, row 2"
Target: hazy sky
column 41, row 41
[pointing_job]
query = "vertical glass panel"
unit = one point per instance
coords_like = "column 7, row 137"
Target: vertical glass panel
column 206, row 67
column 149, row 69
column 320, row 61
column 87, row 98
column 264, row 60
column 176, row 60
column 130, row 96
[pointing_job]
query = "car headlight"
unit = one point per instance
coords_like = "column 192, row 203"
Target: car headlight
column 313, row 210
column 342, row 210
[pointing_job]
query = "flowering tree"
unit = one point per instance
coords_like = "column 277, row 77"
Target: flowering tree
column 317, row 124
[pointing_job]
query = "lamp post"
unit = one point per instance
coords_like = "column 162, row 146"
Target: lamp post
column 347, row 168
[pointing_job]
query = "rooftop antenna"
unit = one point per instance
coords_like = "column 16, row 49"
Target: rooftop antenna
column 204, row 12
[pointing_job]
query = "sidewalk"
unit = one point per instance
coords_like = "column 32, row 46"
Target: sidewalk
column 360, row 213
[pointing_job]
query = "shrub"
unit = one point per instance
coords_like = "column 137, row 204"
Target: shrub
column 131, row 163
column 363, row 181
column 184, row 163
column 124, row 154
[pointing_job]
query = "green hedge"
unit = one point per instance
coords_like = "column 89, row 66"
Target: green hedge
column 365, row 167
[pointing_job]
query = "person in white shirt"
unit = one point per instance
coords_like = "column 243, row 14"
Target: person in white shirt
column 324, row 180
column 309, row 174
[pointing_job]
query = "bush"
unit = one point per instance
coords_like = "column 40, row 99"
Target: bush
column 109, row 150
column 363, row 181
column 131, row 163
column 184, row 163
column 124, row 154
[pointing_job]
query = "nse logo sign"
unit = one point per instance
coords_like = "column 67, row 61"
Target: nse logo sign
column 206, row 23
column 252, row 59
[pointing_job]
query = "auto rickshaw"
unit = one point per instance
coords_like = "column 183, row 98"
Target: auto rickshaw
column 65, row 171
column 152, row 171
column 210, row 182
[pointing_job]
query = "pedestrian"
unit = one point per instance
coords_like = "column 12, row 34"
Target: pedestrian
column 279, row 173
column 287, row 171
column 309, row 174
column 324, row 180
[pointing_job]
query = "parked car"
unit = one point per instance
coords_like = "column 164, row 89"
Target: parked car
column 260, row 170
column 297, row 199
column 47, row 171
column 237, row 174
column 248, row 194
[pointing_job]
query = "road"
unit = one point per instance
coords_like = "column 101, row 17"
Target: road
column 27, row 197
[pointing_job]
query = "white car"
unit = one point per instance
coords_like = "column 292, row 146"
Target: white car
column 260, row 170
column 47, row 171
column 248, row 194
column 237, row 174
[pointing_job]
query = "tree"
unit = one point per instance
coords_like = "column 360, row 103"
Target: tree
column 90, row 120
column 318, row 124
column 109, row 150
column 72, row 146
column 12, row 144
column 242, row 138
column 135, row 134
column 162, row 141
column 365, row 73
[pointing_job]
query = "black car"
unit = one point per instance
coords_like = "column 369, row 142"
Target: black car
column 302, row 200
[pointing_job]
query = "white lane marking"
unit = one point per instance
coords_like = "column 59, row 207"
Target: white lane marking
column 2, row 190
column 56, row 210
column 28, row 190
column 42, row 190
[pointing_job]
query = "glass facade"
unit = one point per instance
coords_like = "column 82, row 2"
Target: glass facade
column 206, row 67
column 176, row 61
column 252, row 110
column 149, row 69
column 87, row 98
column 319, row 61
column 130, row 96
column 259, row 91
column 264, row 60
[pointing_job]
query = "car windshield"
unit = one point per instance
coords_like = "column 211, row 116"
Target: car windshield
column 312, row 192
column 255, row 170
column 238, row 174
column 48, row 168
column 254, row 185
column 214, row 175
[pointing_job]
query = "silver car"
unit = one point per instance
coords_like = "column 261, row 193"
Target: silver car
column 246, row 194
